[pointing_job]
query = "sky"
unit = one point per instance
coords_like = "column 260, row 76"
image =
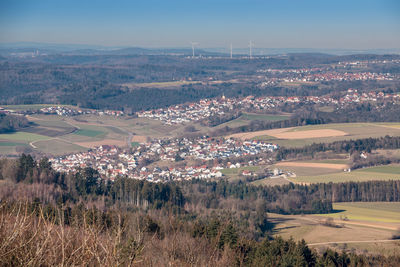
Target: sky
column 326, row 24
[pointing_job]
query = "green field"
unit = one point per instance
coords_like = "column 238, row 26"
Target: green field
column 390, row 172
column 393, row 169
column 11, row 144
column 89, row 133
column 246, row 118
column 22, row 136
column 263, row 117
column 368, row 211
column 58, row 147
column 233, row 173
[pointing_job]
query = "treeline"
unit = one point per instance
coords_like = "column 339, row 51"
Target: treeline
column 291, row 198
column 11, row 123
column 345, row 146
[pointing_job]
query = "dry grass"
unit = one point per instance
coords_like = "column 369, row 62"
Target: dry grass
column 31, row 239
column 312, row 165
column 285, row 133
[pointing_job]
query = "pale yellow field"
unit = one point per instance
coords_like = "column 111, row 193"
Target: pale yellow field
column 284, row 133
column 312, row 165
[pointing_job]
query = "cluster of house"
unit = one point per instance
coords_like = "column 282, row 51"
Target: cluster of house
column 367, row 62
column 346, row 76
column 67, row 111
column 112, row 161
column 353, row 96
column 209, row 107
column 63, row 111
column 190, row 112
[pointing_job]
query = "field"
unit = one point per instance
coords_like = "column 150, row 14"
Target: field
column 233, row 173
column 22, row 136
column 246, row 118
column 53, row 134
column 387, row 212
column 364, row 227
column 305, row 135
column 271, row 181
column 58, row 147
column 89, row 133
column 389, row 172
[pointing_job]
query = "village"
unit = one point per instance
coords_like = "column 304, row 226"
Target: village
column 205, row 108
column 208, row 156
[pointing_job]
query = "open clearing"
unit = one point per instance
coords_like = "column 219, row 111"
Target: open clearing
column 271, row 181
column 58, row 147
column 89, row 133
column 369, row 226
column 284, row 133
column 389, row 172
column 22, row 136
column 73, row 134
column 386, row 212
column 309, row 134
column 312, row 165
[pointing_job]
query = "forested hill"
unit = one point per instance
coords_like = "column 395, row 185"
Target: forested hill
column 10, row 123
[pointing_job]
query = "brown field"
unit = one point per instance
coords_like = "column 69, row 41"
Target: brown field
column 312, row 165
column 110, row 142
column 372, row 237
column 139, row 138
column 284, row 133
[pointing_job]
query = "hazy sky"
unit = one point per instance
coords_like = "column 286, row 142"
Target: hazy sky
column 355, row 24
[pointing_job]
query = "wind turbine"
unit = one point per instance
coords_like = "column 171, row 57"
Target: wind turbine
column 231, row 50
column 250, row 46
column 193, row 45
